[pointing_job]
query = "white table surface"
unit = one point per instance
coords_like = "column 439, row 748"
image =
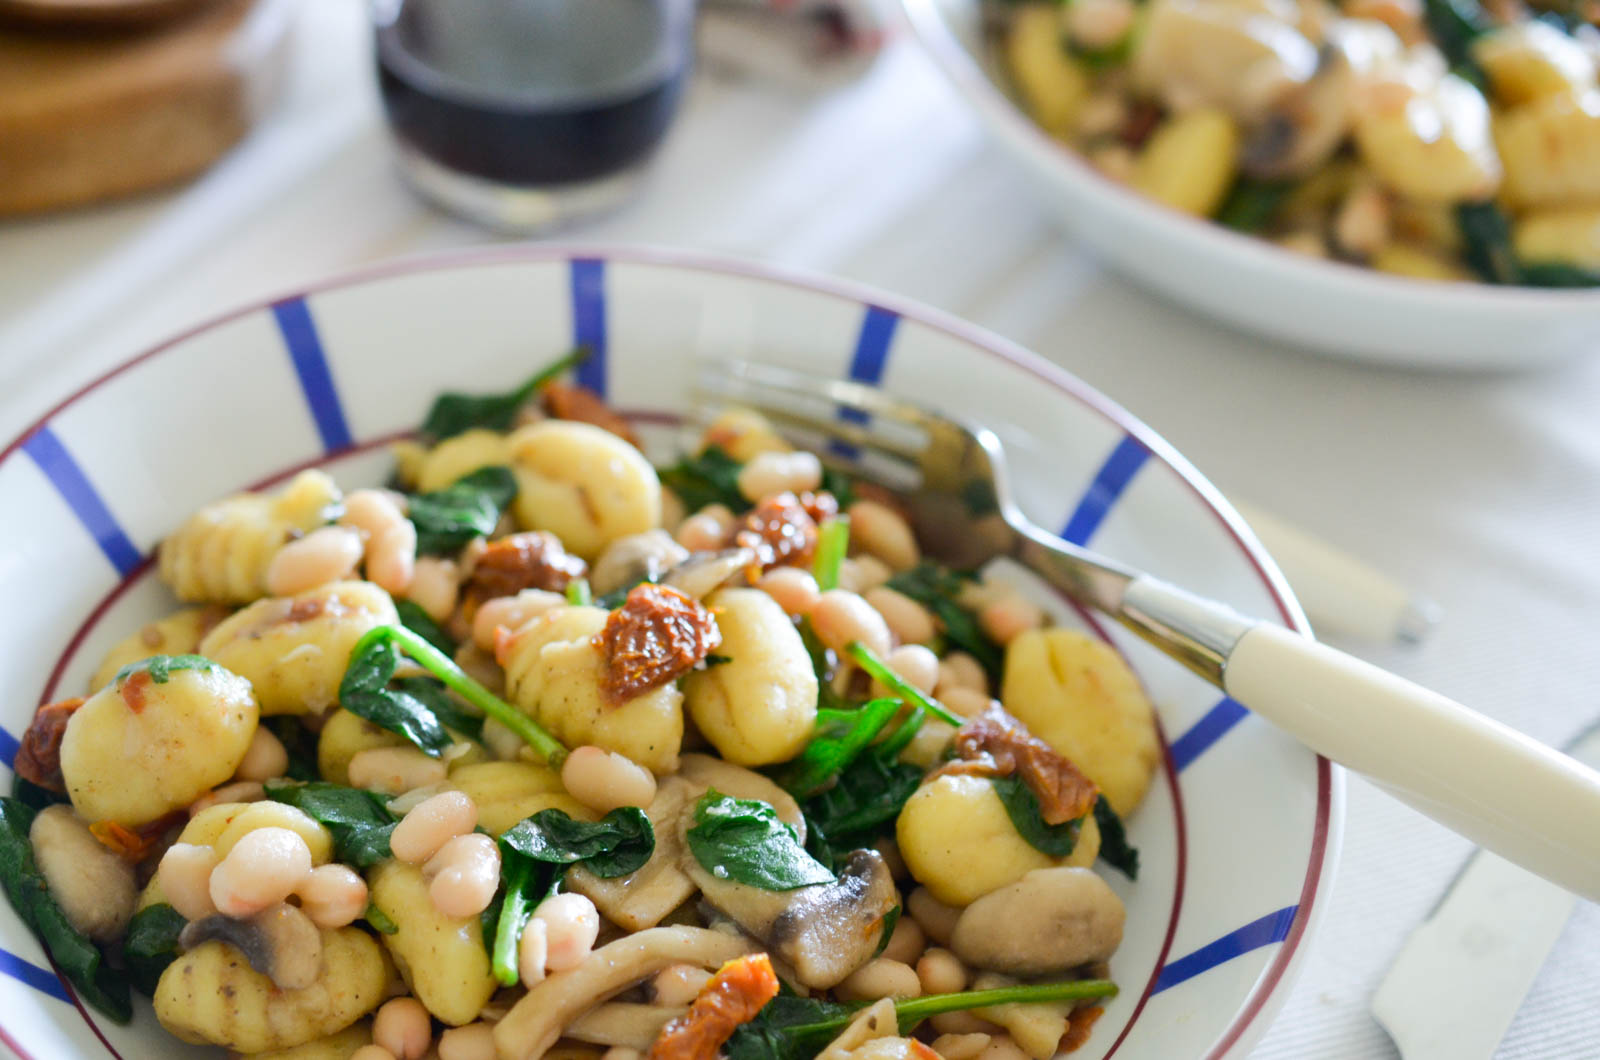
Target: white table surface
column 1482, row 492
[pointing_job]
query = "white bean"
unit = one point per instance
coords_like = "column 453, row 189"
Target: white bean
column 1007, row 618
column 532, row 950
column 1099, row 24
column 571, row 926
column 327, row 554
column 960, row 670
column 706, row 530
column 435, row 585
column 890, row 852
column 916, row 665
column 185, row 873
column 263, row 868
column 770, row 473
column 880, row 531
column 841, row 617
column 941, row 972
column 603, row 780
column 431, row 824
column 332, row 895
column 391, row 538
column 475, row 1041
column 862, row 573
column 937, row 920
column 264, row 759
column 1361, row 225
column 878, row 978
column 464, row 874
column 960, row 1046
column 908, row 620
column 907, row 942
column 1001, row 1047
column 372, row 1052
column 403, row 1027
column 238, row 791
column 966, row 702
column 621, row 1052
column 673, row 512
column 394, row 770
column 795, row 590
column 511, row 612
column 678, row 985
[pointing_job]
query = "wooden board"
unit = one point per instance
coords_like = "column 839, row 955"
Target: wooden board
column 95, row 12
column 91, row 116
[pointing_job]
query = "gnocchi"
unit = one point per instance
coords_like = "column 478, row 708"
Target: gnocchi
column 584, row 484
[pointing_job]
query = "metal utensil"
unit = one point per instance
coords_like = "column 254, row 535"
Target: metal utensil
column 1460, row 978
column 1499, row 788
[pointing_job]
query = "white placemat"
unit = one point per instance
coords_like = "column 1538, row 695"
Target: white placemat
column 1483, row 492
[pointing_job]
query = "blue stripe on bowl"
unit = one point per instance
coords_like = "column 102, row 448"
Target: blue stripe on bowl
column 9, row 746
column 41, row 979
column 1213, row 726
column 79, row 493
column 1109, row 482
column 1274, row 927
column 316, row 377
column 867, row 364
column 588, row 280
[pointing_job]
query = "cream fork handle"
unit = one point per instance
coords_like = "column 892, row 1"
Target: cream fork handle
column 1505, row 791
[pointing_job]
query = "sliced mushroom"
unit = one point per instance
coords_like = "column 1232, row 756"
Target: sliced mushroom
column 1195, row 53
column 825, row 931
column 643, row 898
column 1048, row 921
column 629, row 1025
column 93, row 886
column 635, row 558
column 280, row 942
column 706, row 772
column 549, row 1007
column 704, row 572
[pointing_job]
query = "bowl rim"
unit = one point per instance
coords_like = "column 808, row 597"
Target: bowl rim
column 932, row 30
column 1328, row 826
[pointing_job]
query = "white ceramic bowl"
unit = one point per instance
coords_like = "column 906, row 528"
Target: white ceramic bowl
column 1325, row 306
column 1240, row 831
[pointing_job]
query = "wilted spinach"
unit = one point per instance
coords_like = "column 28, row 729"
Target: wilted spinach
column 710, row 477
column 1022, row 806
column 454, row 413
column 418, row 621
column 938, row 589
column 1114, row 847
column 365, row 692
column 162, row 667
column 359, row 821
column 743, row 840
column 469, row 508
column 151, row 944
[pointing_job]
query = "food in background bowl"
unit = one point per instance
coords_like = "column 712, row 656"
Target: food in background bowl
column 1436, row 139
column 545, row 743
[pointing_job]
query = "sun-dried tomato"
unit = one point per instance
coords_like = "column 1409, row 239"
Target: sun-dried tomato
column 783, row 528
column 996, row 744
column 1079, row 1024
column 128, row 843
column 39, row 756
column 739, row 990
column 656, row 636
column 568, row 401
column 533, row 560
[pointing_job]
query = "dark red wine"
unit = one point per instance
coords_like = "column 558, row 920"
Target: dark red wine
column 533, row 92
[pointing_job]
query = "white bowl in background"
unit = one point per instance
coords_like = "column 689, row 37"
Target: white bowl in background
column 1239, row 834
column 1326, row 306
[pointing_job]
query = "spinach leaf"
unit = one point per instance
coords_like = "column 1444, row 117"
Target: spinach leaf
column 1251, row 204
column 161, row 667
column 448, row 519
column 1114, row 847
column 579, row 594
column 454, row 414
column 74, row 955
column 841, row 485
column 33, row 796
column 533, row 856
column 851, row 814
column 418, row 621
column 381, row 922
column 1558, row 274
column 743, row 840
column 617, row 844
column 151, row 944
column 824, row 663
column 1486, row 234
column 300, row 743
column 359, row 821
column 841, row 736
column 712, row 477
column 1022, row 806
column 1454, row 25
column 433, row 695
column 911, row 694
column 937, row 588
column 891, row 920
column 365, row 692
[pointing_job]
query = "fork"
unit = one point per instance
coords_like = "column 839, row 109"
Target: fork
column 1498, row 787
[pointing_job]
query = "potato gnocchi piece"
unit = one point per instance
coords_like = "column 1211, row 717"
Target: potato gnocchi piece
column 461, row 455
column 1551, row 149
column 760, row 706
column 294, row 649
column 958, row 841
column 584, row 484
column 744, row 434
column 1190, row 162
column 177, row 634
column 442, row 959
column 1053, row 85
column 343, row 737
column 339, row 1045
column 138, row 750
column 257, row 815
column 507, row 792
column 644, row 898
column 1036, row 1027
column 553, row 671
column 211, row 995
column 1530, row 59
column 1077, row 695
column 1569, row 237
column 1432, row 144
column 221, row 553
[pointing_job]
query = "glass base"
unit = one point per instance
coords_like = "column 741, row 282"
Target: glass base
column 515, row 209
